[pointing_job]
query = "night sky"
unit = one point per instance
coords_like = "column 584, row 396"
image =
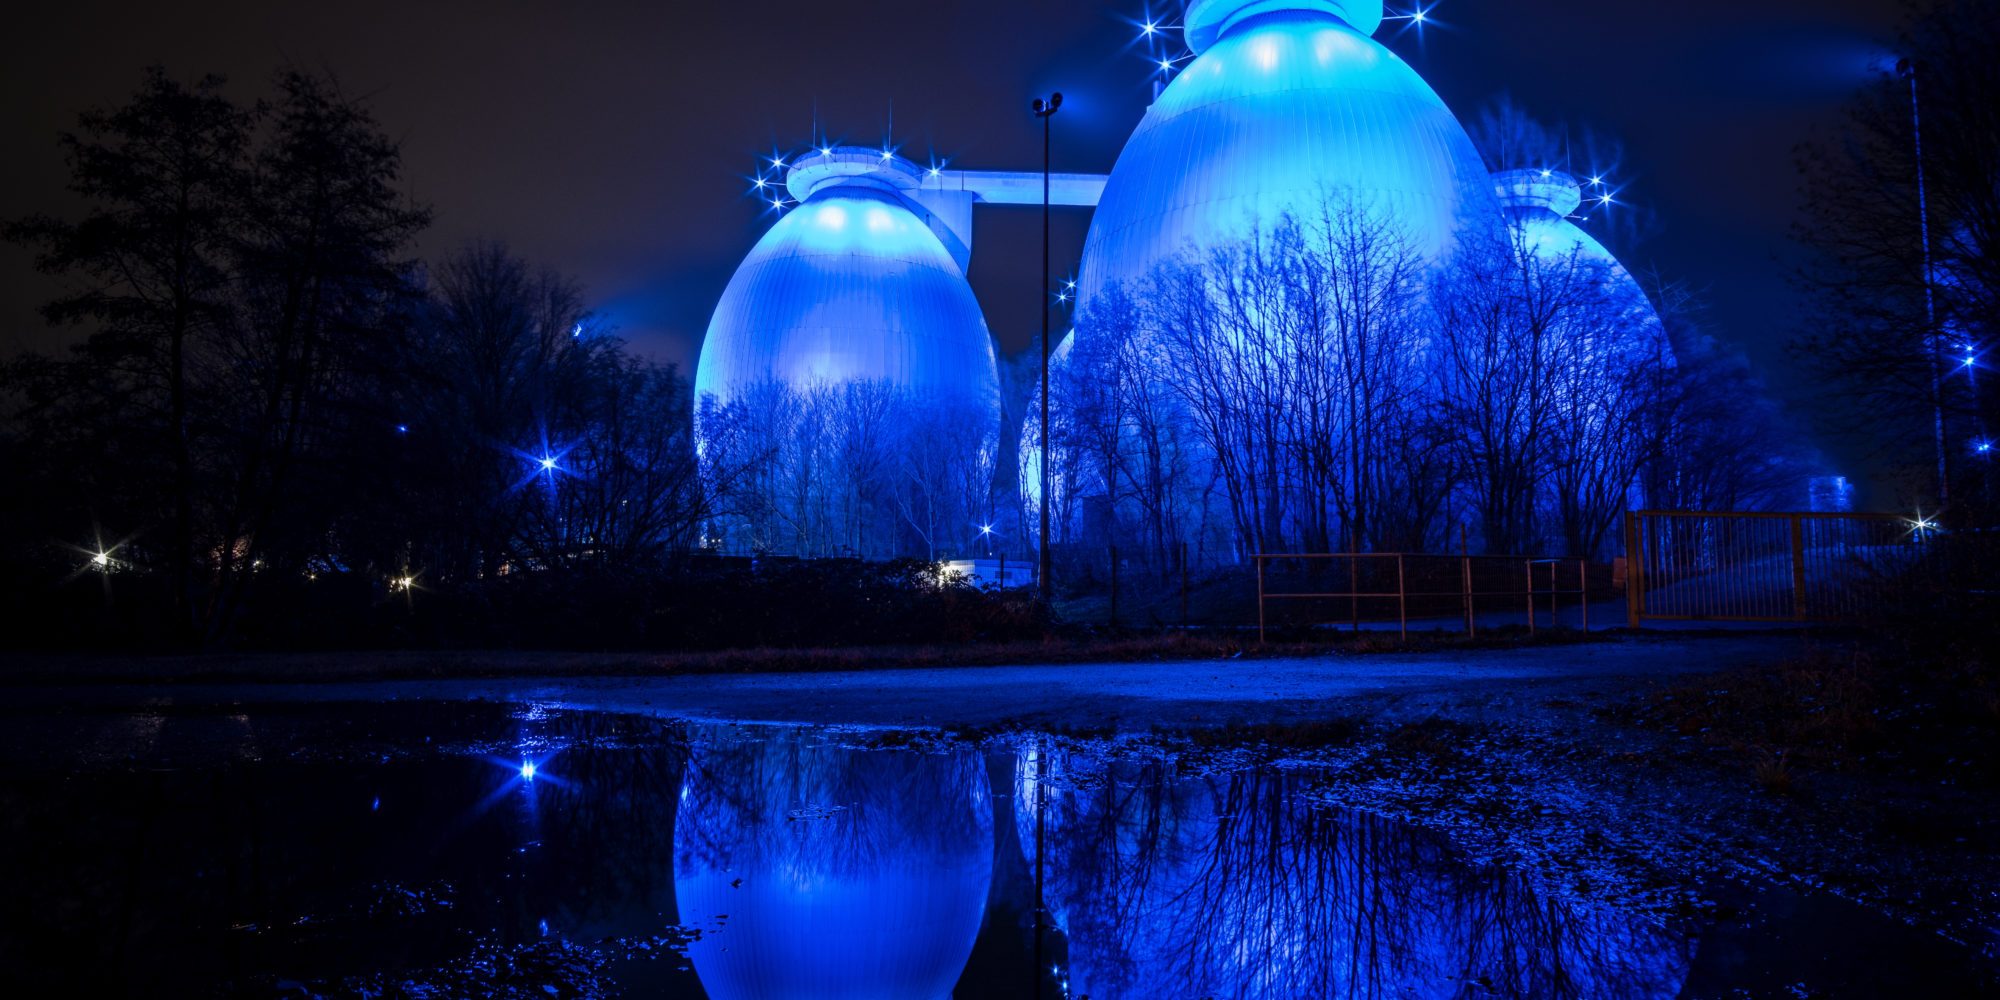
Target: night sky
column 612, row 141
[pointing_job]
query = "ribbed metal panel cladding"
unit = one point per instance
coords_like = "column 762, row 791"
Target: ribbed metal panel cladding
column 851, row 285
column 1284, row 112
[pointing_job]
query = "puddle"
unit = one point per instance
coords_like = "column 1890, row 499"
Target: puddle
column 481, row 849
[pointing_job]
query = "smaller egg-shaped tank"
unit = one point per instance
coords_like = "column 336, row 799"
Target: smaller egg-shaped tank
column 851, row 285
column 1068, row 480
column 815, row 870
column 1538, row 205
column 847, row 399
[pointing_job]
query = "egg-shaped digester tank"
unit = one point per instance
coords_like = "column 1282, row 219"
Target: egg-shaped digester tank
column 1289, row 106
column 1538, row 205
column 852, row 284
column 848, row 342
column 815, row 870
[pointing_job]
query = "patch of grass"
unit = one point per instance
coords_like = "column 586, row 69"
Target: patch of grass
column 1774, row 775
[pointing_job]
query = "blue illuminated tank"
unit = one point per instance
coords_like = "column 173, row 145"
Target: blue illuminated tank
column 1289, row 105
column 852, row 284
column 1539, row 205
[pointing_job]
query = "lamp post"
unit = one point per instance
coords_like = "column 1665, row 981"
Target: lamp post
column 1045, row 110
column 1907, row 69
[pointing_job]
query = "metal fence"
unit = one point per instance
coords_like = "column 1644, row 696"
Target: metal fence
column 1765, row 567
column 1378, row 587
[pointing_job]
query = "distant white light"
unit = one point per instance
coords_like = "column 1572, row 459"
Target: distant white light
column 1149, row 27
column 1546, row 172
column 778, row 203
column 887, row 156
column 1070, row 284
column 762, row 183
column 1417, row 15
column 985, row 529
column 576, row 331
column 548, row 464
column 101, row 559
column 1597, row 181
column 1167, row 64
column 528, row 770
column 777, row 161
column 1605, row 199
column 826, row 151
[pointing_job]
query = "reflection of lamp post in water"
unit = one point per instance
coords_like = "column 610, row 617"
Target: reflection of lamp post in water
column 1041, row 835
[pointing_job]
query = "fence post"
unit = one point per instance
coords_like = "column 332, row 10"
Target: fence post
column 1798, row 568
column 1583, row 591
column 1353, row 588
column 1465, row 584
column 1259, row 560
column 1402, row 601
column 1529, row 565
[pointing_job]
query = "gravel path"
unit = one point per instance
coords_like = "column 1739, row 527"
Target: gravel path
column 1115, row 696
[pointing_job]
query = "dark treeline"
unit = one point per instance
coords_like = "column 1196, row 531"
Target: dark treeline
column 279, row 427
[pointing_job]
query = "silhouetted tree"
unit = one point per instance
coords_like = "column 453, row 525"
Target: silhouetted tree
column 152, row 264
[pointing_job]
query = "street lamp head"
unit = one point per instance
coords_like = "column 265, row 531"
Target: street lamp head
column 1905, row 68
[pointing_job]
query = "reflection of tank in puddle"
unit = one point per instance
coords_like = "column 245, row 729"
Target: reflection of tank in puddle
column 1235, row 885
column 821, row 871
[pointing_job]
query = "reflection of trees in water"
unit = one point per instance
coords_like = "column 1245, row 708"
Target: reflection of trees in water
column 1235, row 886
column 603, row 810
column 821, row 871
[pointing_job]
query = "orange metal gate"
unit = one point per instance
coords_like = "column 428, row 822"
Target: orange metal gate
column 1762, row 567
